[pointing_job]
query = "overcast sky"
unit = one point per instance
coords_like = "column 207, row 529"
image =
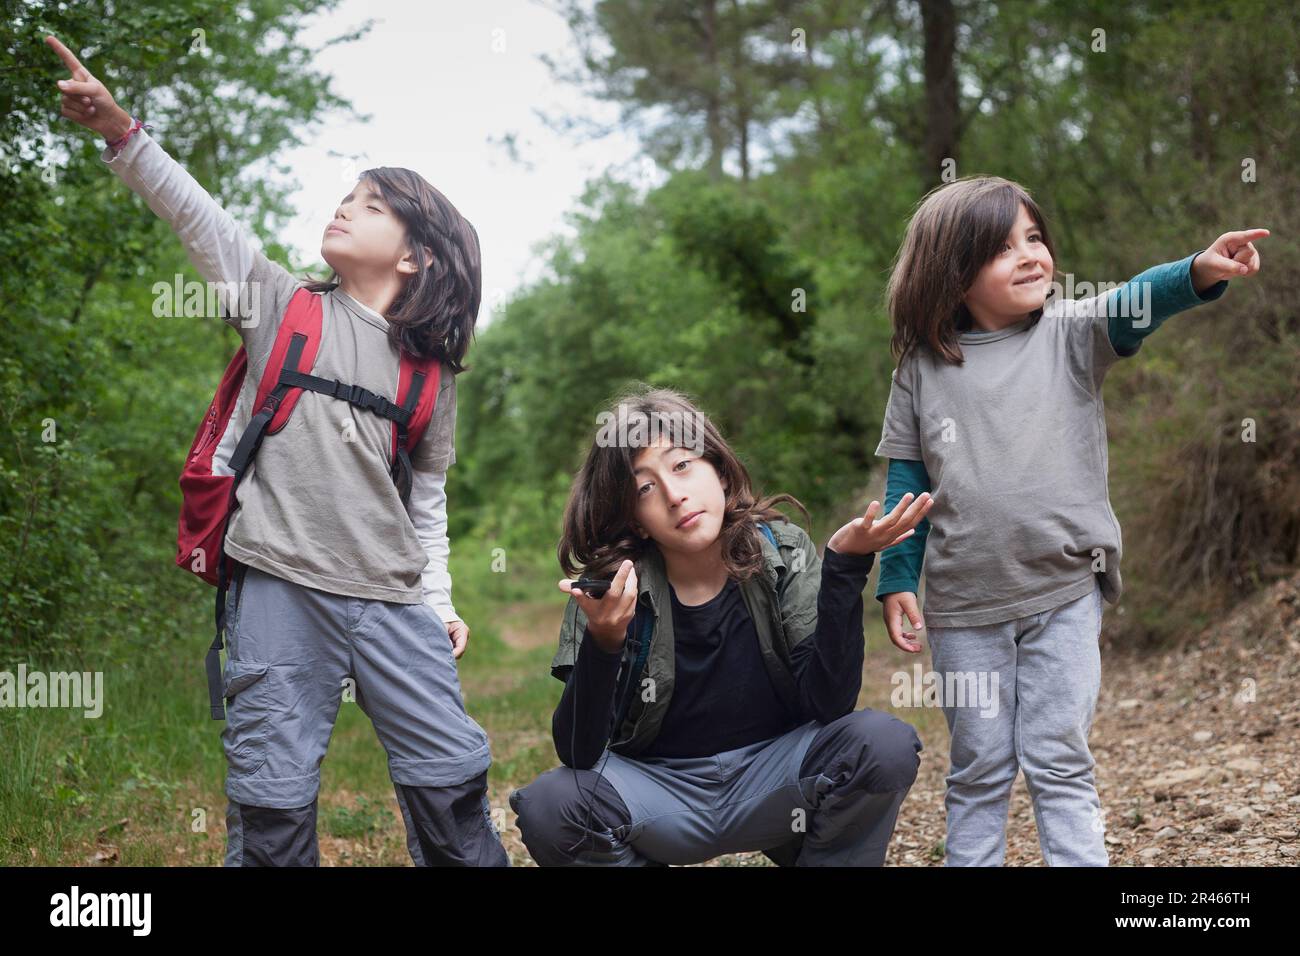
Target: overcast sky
column 442, row 79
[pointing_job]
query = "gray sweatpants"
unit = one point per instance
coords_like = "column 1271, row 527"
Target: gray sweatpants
column 819, row 795
column 1048, row 669
column 293, row 652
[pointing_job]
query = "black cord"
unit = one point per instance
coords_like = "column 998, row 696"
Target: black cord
column 573, row 734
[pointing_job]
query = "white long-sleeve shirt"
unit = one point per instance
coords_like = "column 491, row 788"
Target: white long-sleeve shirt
column 222, row 253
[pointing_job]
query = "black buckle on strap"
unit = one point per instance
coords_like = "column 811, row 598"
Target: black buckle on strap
column 349, row 393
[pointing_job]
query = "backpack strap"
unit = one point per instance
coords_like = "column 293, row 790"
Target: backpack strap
column 417, row 390
column 297, row 381
column 417, row 394
column 302, row 319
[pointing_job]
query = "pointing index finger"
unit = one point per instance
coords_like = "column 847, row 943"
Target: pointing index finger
column 71, row 62
column 1247, row 235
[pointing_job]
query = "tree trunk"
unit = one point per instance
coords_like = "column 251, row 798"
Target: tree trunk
column 939, row 24
column 716, row 133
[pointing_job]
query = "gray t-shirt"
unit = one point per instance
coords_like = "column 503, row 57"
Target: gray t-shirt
column 1014, row 441
column 318, row 506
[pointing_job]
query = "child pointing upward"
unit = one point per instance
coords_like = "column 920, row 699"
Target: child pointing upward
column 339, row 583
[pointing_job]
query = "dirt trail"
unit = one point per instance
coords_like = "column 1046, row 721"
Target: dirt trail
column 1197, row 750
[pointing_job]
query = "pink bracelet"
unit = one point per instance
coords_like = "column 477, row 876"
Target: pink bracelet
column 118, row 144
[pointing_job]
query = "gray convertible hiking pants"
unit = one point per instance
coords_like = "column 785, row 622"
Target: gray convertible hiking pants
column 819, row 795
column 293, row 652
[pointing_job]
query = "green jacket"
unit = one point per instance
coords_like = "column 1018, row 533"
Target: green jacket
column 782, row 602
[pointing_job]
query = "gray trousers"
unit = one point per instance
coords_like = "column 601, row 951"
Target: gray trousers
column 819, row 795
column 294, row 653
column 1048, row 669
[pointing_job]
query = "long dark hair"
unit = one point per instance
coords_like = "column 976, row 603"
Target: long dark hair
column 599, row 518
column 434, row 314
column 956, row 230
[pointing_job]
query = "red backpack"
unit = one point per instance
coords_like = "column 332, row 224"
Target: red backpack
column 208, row 495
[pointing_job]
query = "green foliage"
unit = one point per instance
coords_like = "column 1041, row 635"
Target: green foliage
column 1133, row 140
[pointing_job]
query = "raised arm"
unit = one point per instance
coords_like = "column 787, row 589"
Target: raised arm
column 216, row 245
column 1164, row 291
column 1172, row 287
column 827, row 664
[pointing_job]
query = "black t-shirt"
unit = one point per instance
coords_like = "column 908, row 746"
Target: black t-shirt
column 718, row 667
column 723, row 696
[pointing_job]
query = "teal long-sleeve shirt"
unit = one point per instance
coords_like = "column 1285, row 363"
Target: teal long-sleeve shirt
column 1171, row 292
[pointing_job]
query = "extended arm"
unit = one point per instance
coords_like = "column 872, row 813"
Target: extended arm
column 1141, row 305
